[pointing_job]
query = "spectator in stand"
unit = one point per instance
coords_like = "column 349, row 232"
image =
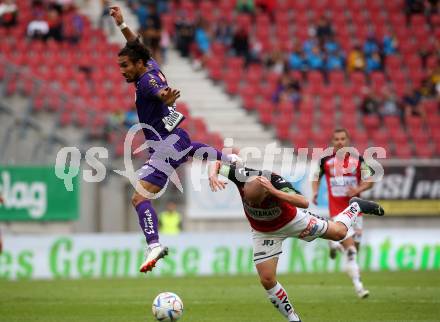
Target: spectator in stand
column 245, row 6
column 309, row 45
column 105, row 21
column 390, row 45
column 276, row 62
column 152, row 33
column 223, row 32
column 371, row 45
column 373, row 63
column 8, row 13
column 130, row 118
column 411, row 104
column 356, row 60
column 170, row 220
column 184, row 34
column 38, row 10
column 203, row 43
column 141, row 13
column 370, row 103
column 331, row 46
column 315, row 59
column 413, row 7
column 74, row 25
column 333, row 61
column 38, row 28
column 427, row 50
column 435, row 81
column 55, row 24
column 162, row 6
column 373, row 54
column 240, row 44
column 297, row 60
column 266, row 6
column 255, row 51
column 431, row 8
column 288, row 90
column 390, row 105
column 323, row 29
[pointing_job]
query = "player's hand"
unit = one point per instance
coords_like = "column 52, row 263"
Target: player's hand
column 169, row 96
column 116, row 13
column 351, row 192
column 267, row 185
column 216, row 184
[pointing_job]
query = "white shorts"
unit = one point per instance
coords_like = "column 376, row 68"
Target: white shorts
column 305, row 226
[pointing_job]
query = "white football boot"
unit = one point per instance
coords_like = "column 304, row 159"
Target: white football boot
column 152, row 255
column 362, row 293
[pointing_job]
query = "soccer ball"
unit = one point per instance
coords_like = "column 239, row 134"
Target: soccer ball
column 167, row 306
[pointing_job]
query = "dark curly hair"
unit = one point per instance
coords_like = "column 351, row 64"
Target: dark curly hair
column 135, row 51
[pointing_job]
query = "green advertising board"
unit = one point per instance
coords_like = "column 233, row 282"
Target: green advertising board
column 36, row 194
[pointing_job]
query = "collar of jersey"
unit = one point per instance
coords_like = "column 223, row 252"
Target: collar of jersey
column 142, row 76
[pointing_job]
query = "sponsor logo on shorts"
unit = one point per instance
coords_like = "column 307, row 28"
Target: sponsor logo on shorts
column 268, row 242
column 311, row 228
column 259, row 254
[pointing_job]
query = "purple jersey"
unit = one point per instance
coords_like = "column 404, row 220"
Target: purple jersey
column 151, row 110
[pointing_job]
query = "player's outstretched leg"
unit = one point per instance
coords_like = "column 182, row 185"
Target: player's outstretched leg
column 206, row 152
column 148, row 222
column 368, row 207
column 338, row 228
column 276, row 293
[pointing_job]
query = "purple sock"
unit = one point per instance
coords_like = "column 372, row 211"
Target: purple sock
column 148, row 221
column 206, row 156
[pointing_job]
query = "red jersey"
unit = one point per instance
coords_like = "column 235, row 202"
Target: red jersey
column 338, row 182
column 273, row 214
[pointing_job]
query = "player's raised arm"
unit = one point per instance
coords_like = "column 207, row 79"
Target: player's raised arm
column 116, row 13
column 214, row 182
column 283, row 190
column 238, row 174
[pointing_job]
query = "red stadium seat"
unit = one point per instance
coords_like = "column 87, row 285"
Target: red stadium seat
column 424, row 150
column 403, row 151
column 357, row 79
column 371, row 122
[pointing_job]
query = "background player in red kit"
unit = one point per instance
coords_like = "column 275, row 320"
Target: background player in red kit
column 339, row 194
column 270, row 204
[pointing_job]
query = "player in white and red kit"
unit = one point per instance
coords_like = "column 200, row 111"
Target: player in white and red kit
column 270, row 204
column 346, row 178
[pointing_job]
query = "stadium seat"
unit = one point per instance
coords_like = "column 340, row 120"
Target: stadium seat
column 403, row 151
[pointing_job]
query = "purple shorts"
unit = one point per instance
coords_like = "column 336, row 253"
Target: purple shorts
column 166, row 158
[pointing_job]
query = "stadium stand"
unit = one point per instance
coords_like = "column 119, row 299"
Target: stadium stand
column 333, row 52
column 337, row 51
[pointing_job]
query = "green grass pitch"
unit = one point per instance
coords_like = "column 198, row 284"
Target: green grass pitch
column 403, row 296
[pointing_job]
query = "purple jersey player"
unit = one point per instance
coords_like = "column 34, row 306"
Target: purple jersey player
column 155, row 104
